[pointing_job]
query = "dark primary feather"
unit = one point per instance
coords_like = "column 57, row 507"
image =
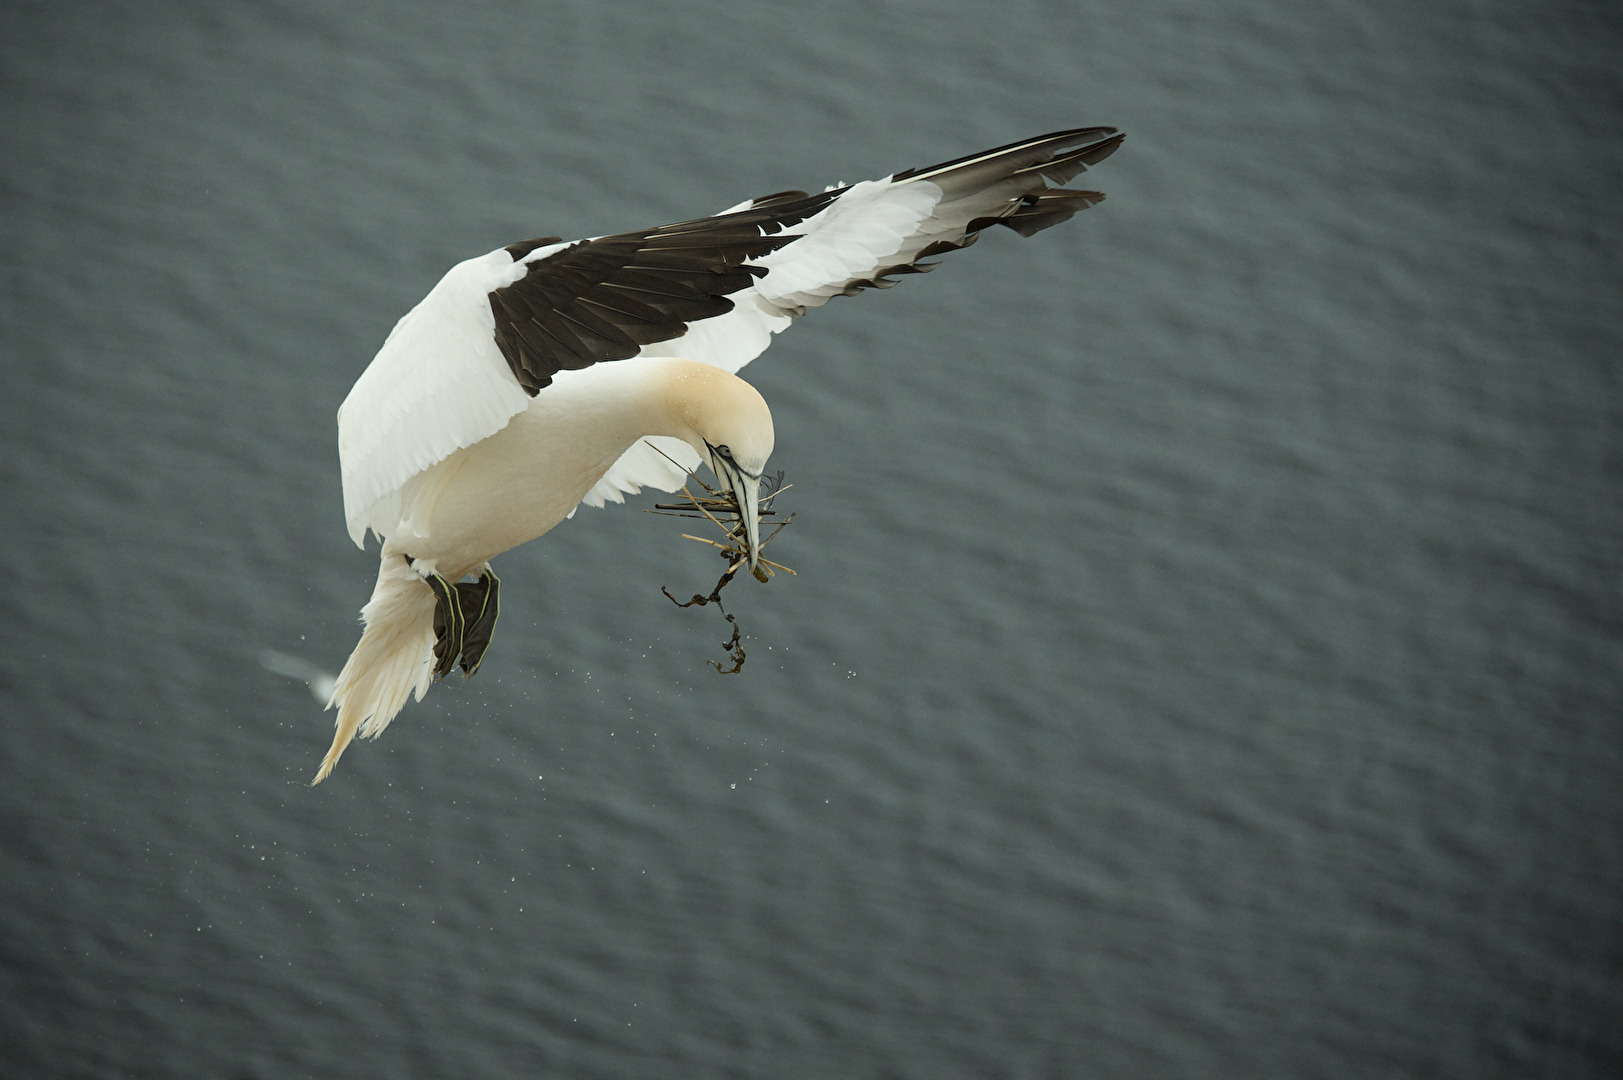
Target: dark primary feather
column 974, row 172
column 605, row 299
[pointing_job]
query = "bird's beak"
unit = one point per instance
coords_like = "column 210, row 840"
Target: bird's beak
column 748, row 494
column 746, row 490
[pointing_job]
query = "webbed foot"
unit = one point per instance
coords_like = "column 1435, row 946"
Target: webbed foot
column 464, row 620
column 481, row 603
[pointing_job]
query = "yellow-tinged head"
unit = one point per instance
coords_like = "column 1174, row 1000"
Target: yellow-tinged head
column 726, row 420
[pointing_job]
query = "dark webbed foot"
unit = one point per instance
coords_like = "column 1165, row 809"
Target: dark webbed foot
column 449, row 625
column 464, row 619
column 481, row 603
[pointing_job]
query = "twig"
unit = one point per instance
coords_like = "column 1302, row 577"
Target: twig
column 708, row 505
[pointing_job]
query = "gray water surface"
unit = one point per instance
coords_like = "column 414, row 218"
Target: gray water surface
column 1204, row 658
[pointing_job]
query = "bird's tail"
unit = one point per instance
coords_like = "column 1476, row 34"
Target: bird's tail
column 394, row 658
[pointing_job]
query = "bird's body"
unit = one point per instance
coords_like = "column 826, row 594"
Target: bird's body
column 546, row 374
column 488, row 498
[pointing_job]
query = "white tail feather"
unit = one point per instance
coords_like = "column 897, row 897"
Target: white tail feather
column 394, row 658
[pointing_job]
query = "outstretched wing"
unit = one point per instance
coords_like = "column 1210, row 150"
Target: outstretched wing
column 501, row 328
column 860, row 237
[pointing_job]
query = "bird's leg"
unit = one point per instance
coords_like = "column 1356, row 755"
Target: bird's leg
column 480, row 602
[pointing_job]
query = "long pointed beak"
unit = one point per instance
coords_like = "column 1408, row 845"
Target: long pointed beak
column 747, row 490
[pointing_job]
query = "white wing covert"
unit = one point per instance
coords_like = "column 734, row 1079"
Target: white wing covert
column 438, row 384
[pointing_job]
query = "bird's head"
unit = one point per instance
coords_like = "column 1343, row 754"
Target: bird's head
column 726, row 420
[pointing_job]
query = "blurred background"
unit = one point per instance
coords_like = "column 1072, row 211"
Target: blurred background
column 1205, row 654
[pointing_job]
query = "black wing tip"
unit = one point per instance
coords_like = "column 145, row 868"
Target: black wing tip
column 1105, row 136
column 1048, row 208
column 1094, row 153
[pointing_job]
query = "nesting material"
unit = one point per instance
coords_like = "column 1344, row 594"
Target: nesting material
column 718, row 507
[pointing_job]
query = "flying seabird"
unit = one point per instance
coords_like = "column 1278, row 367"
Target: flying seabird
column 546, row 374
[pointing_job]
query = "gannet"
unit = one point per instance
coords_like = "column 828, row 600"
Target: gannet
column 547, row 374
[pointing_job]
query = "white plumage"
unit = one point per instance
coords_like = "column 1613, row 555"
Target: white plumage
column 545, row 374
